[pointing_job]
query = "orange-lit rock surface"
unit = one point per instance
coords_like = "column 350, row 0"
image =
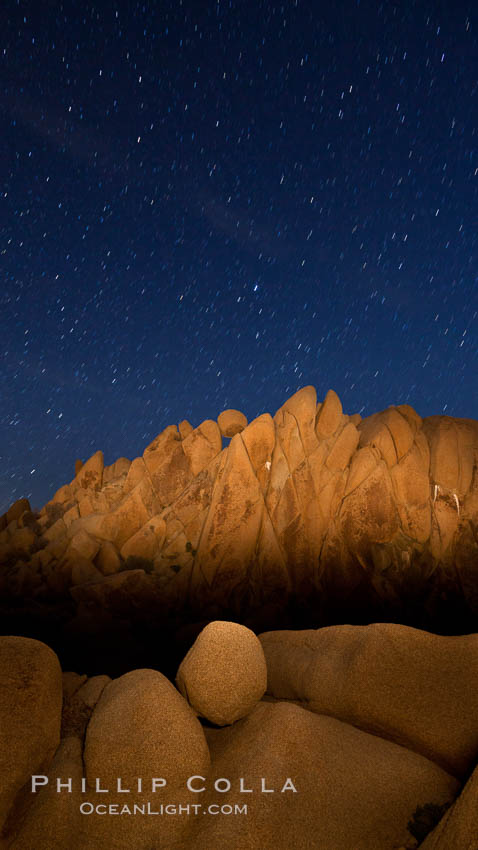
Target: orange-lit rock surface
column 342, row 769
column 339, row 513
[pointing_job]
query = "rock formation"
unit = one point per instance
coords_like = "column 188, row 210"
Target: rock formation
column 308, row 517
column 30, row 711
column 366, row 734
column 400, row 683
column 224, row 673
column 343, row 751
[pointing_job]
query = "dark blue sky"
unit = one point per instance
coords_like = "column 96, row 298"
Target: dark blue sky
column 210, row 204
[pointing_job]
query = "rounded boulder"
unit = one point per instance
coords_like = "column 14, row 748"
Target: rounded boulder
column 231, row 422
column 30, row 713
column 140, row 725
column 224, row 674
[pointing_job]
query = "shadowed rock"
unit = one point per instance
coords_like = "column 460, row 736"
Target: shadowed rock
column 458, row 829
column 30, row 713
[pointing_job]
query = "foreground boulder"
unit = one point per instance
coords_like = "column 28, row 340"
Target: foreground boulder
column 406, row 685
column 30, row 713
column 53, row 821
column 458, row 829
column 139, row 725
column 291, row 775
column 224, row 673
column 353, row 790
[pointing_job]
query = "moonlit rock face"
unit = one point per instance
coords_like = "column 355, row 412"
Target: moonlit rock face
column 224, row 674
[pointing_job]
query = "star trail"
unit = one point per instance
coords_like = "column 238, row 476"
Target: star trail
column 207, row 205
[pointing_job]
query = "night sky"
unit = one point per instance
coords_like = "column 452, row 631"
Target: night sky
column 211, row 204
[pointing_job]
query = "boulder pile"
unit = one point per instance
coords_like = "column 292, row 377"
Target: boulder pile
column 336, row 512
column 363, row 739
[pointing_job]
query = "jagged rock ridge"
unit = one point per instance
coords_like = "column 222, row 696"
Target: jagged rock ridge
column 311, row 504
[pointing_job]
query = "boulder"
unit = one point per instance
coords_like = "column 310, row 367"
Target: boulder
column 57, row 547
column 452, row 444
column 80, row 569
column 259, row 439
column 185, row 428
column 167, row 465
column 411, row 484
column 107, row 560
column 146, row 542
column 134, row 511
column 53, row 821
column 102, row 526
column 136, row 473
column 117, row 469
column 22, row 541
column 458, row 828
column 298, row 415
column 142, row 724
column 58, row 529
column 168, row 434
column 227, row 547
column 63, row 494
column 70, row 515
column 84, row 544
column 375, row 435
column 78, row 706
column 363, row 463
column 414, row 420
column 15, row 511
column 224, row 674
column 403, row 684
column 137, row 726
column 71, row 683
column 86, row 505
column 341, row 452
column 390, row 431
column 369, row 512
column 202, row 445
column 90, row 476
column 30, row 713
column 231, row 422
column 329, row 416
column 352, row 790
